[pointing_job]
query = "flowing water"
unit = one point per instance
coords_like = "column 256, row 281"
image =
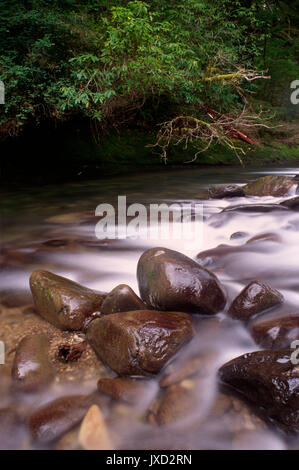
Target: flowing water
column 53, row 228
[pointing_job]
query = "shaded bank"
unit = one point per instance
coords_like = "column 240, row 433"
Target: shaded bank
column 69, row 152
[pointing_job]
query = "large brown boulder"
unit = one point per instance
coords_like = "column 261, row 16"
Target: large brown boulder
column 254, row 298
column 269, row 186
column 169, row 280
column 139, row 342
column 269, row 379
column 62, row 302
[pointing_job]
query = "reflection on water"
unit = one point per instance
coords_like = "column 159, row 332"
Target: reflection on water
column 53, row 228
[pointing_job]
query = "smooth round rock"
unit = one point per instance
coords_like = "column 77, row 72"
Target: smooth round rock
column 62, row 302
column 121, row 299
column 32, row 368
column 139, row 342
column 254, row 298
column 169, row 280
column 269, row 379
column 57, row 417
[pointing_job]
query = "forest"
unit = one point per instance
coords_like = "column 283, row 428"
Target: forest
column 190, row 73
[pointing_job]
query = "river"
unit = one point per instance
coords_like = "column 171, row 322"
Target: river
column 53, row 228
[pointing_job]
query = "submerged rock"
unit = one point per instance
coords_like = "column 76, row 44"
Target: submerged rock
column 179, row 403
column 57, row 417
column 276, row 333
column 124, row 388
column 269, row 186
column 255, row 208
column 269, row 379
column 32, row 368
column 62, row 302
column 169, row 280
column 121, row 299
column 237, row 235
column 199, row 365
column 139, row 342
column 254, row 298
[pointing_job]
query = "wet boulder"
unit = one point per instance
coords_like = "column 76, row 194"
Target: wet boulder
column 270, row 185
column 169, row 280
column 269, row 379
column 226, row 190
column 32, row 368
column 139, row 342
column 121, row 299
column 254, row 298
column 276, row 333
column 62, row 302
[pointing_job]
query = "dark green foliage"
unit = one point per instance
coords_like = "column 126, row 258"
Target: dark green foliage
column 109, row 61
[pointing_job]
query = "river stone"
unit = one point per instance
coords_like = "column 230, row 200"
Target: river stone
column 169, row 280
column 62, row 302
column 56, row 418
column 121, row 299
column 32, row 368
column 269, row 186
column 179, row 403
column 276, row 333
column 292, row 203
column 270, row 380
column 126, row 389
column 139, row 342
column 254, row 298
column 226, row 190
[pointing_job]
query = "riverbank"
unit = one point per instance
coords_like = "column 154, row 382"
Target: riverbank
column 70, row 153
